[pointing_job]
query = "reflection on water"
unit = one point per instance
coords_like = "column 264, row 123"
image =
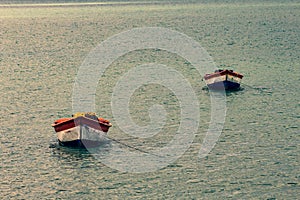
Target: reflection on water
column 79, row 153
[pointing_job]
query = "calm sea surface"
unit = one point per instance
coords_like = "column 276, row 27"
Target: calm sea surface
column 255, row 157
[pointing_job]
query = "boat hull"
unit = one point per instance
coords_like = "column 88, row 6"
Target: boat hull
column 224, row 85
column 81, row 136
column 81, row 132
column 81, row 143
column 223, row 80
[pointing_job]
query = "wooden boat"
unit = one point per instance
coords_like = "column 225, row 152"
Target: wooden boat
column 223, row 79
column 81, row 130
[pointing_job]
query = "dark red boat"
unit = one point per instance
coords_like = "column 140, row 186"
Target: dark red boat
column 223, row 79
column 82, row 129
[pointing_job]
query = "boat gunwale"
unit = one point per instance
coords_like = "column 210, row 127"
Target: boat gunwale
column 78, row 120
column 222, row 73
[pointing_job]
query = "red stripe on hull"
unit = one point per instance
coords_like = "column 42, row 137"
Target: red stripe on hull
column 81, row 121
column 221, row 73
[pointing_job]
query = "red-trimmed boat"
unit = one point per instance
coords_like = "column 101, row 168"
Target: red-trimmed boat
column 223, row 79
column 81, row 130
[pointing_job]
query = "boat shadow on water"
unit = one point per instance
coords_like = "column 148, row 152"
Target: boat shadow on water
column 223, row 91
column 77, row 153
column 239, row 91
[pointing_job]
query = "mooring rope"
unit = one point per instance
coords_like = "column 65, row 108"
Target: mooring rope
column 261, row 89
column 137, row 149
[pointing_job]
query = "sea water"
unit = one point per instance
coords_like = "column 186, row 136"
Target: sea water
column 256, row 156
